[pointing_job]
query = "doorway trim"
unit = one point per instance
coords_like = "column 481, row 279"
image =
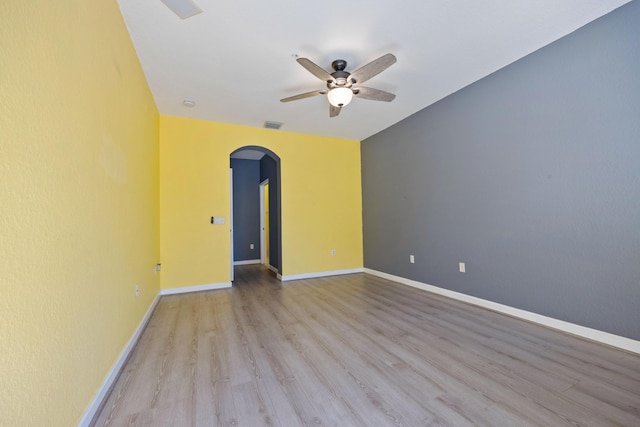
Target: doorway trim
column 263, row 222
column 275, row 207
column 231, row 219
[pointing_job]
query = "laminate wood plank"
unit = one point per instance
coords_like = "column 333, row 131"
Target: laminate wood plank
column 479, row 414
column 542, row 337
column 541, row 379
column 335, row 377
column 308, row 402
column 563, row 355
column 575, row 411
column 390, row 369
column 313, row 364
column 442, row 355
column 320, row 392
column 127, row 396
column 620, row 407
column 478, row 344
column 270, row 363
column 359, row 350
column 215, row 396
column 324, row 392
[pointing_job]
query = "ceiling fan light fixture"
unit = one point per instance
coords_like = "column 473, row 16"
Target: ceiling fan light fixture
column 340, row 96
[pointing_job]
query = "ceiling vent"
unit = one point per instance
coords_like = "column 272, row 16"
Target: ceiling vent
column 183, row 8
column 272, row 125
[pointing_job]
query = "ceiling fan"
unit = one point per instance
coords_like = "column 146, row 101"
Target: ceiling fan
column 342, row 86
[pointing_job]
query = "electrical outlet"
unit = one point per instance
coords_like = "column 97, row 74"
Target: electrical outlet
column 137, row 290
column 462, row 267
column 333, row 252
column 156, row 269
column 251, row 246
column 412, row 259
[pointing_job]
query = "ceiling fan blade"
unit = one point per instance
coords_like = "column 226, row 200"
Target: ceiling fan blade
column 316, row 70
column 304, row 95
column 373, row 68
column 373, row 94
column 334, row 111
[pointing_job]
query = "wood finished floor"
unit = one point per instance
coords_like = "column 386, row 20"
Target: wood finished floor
column 358, row 350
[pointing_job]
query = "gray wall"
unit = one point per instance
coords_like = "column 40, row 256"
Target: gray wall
column 531, row 176
column 246, row 209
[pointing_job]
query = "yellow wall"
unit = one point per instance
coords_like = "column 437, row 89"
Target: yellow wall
column 321, row 200
column 78, row 204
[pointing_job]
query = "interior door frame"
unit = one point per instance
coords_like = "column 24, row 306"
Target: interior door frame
column 263, row 222
column 231, row 219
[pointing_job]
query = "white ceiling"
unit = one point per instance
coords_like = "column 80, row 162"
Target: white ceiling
column 236, row 59
column 247, row 154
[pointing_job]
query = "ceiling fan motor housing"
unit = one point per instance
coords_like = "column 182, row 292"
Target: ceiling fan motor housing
column 339, row 66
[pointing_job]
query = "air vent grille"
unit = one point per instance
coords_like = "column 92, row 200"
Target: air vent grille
column 183, row 8
column 272, row 125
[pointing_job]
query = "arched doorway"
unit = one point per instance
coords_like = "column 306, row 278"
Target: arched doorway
column 251, row 166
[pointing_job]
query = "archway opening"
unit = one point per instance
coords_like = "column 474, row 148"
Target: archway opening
column 252, row 166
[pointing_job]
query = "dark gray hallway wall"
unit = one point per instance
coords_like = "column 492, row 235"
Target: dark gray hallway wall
column 246, row 209
column 531, row 176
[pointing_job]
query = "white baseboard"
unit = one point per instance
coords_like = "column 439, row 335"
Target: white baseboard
column 319, row 274
column 111, row 378
column 571, row 328
column 197, row 288
column 247, row 262
column 274, row 269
